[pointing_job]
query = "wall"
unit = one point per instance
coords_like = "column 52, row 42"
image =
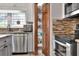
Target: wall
column 56, row 12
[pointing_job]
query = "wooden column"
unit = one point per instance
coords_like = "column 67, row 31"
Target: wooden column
column 46, row 28
column 36, row 29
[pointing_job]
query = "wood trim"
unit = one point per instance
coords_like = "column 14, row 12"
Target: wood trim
column 36, row 29
column 46, row 28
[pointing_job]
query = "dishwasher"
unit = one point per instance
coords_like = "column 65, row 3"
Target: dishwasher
column 22, row 43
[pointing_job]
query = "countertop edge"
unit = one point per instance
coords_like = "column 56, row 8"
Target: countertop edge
column 4, row 35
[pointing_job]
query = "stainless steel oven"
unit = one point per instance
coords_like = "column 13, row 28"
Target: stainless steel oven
column 28, row 28
column 65, row 47
column 62, row 49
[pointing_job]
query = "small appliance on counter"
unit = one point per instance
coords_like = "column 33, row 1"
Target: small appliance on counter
column 28, row 28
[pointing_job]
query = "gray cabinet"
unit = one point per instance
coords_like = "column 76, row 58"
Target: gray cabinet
column 9, row 46
column 26, row 43
column 2, row 51
column 6, row 46
column 30, row 42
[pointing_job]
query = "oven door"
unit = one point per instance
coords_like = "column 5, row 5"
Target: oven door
column 62, row 49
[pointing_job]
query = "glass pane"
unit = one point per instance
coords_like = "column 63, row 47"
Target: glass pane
column 12, row 18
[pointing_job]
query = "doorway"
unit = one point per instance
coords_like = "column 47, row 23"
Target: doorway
column 42, row 31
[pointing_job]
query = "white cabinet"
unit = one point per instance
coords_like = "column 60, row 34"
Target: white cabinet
column 30, row 13
column 9, row 45
column 5, row 51
column 26, row 43
column 30, row 42
column 57, row 10
column 6, row 46
column 1, row 50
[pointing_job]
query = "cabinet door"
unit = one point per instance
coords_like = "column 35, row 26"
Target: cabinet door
column 5, row 51
column 1, row 51
column 26, row 44
column 9, row 46
column 30, row 42
column 9, row 50
column 6, row 47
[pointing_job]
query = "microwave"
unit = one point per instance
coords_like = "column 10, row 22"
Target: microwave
column 70, row 8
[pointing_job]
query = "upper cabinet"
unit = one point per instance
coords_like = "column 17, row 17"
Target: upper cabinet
column 71, row 9
column 30, row 13
column 57, row 10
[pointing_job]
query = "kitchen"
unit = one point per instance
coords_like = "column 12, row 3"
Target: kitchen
column 31, row 29
column 16, row 28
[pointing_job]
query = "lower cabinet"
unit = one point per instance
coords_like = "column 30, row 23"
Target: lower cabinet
column 6, row 47
column 5, row 52
column 9, row 46
column 2, row 49
column 30, row 42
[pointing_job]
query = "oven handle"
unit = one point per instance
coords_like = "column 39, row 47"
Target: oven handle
column 65, row 45
column 60, row 43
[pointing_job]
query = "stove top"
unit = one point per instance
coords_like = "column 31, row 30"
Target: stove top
column 64, row 39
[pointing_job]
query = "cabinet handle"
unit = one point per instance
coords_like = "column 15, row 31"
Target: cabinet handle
column 5, row 46
column 4, row 41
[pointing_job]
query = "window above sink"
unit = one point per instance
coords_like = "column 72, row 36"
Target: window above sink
column 13, row 18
